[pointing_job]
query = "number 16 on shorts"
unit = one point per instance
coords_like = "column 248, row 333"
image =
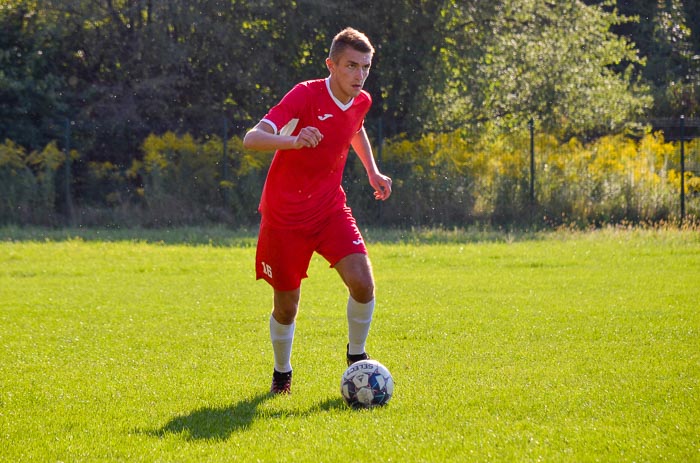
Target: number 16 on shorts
column 267, row 270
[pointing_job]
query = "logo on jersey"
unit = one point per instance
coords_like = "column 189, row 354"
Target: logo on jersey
column 324, row 117
column 357, row 242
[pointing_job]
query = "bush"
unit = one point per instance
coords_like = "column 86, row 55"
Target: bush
column 185, row 181
column 440, row 179
column 28, row 184
column 452, row 179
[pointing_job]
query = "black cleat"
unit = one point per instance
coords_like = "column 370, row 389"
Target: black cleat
column 355, row 357
column 281, row 383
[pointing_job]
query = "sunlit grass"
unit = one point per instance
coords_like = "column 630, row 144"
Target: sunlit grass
column 554, row 347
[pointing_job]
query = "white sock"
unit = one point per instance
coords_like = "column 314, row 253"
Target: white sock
column 282, row 337
column 359, row 319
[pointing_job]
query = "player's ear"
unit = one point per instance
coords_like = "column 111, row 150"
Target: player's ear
column 329, row 64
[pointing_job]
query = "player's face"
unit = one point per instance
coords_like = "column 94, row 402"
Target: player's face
column 348, row 74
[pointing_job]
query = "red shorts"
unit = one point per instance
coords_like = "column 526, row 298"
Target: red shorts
column 283, row 254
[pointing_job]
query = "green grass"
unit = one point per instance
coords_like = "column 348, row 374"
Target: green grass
column 543, row 347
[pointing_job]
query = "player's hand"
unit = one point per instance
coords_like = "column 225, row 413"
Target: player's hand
column 309, row 137
column 382, row 186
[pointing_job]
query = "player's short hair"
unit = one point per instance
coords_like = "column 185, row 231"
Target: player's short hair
column 351, row 38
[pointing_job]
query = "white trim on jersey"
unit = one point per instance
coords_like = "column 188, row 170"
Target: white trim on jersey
column 288, row 129
column 343, row 107
column 271, row 124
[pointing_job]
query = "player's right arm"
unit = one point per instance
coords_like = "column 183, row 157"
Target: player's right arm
column 262, row 137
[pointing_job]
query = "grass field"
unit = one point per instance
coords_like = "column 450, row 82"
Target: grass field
column 547, row 347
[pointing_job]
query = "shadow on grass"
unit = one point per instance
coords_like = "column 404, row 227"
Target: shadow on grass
column 219, row 423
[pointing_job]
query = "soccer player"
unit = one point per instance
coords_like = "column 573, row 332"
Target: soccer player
column 303, row 206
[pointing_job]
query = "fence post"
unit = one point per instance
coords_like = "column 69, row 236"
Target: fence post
column 225, row 163
column 380, row 147
column 682, row 168
column 67, row 172
column 531, row 125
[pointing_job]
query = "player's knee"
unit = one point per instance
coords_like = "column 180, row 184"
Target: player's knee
column 362, row 289
column 285, row 315
column 286, row 305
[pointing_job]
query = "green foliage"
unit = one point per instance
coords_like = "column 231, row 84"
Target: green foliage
column 551, row 60
column 667, row 35
column 46, row 164
column 125, row 69
column 187, row 181
column 439, row 179
column 17, row 183
column 28, row 183
column 433, row 182
column 451, row 179
column 30, row 78
column 451, row 79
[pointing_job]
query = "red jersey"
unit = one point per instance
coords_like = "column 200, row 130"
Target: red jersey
column 304, row 186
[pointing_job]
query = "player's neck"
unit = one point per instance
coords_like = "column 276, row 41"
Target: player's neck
column 337, row 93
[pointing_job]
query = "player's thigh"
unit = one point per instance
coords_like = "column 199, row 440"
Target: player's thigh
column 343, row 247
column 356, row 272
column 282, row 257
column 340, row 238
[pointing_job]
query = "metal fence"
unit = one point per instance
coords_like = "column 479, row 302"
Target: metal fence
column 526, row 191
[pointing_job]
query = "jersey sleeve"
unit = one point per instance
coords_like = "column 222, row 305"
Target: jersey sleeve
column 284, row 116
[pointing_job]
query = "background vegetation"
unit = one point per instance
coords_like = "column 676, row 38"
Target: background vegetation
column 130, row 112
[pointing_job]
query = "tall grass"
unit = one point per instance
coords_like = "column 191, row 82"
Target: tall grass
column 547, row 347
column 440, row 179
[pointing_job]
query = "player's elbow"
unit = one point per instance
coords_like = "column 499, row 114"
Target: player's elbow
column 249, row 140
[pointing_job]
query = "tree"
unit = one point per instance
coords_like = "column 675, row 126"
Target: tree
column 30, row 80
column 667, row 33
column 555, row 61
column 122, row 69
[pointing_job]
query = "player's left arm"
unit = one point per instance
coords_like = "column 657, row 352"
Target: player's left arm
column 380, row 182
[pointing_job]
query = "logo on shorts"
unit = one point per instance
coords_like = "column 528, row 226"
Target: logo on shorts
column 357, row 242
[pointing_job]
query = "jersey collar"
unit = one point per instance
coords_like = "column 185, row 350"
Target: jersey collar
column 343, row 107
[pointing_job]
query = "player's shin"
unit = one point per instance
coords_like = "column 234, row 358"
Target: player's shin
column 359, row 320
column 282, row 337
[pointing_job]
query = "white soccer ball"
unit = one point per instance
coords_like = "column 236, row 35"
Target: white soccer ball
column 366, row 384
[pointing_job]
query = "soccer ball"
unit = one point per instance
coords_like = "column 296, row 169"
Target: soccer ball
column 366, row 384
